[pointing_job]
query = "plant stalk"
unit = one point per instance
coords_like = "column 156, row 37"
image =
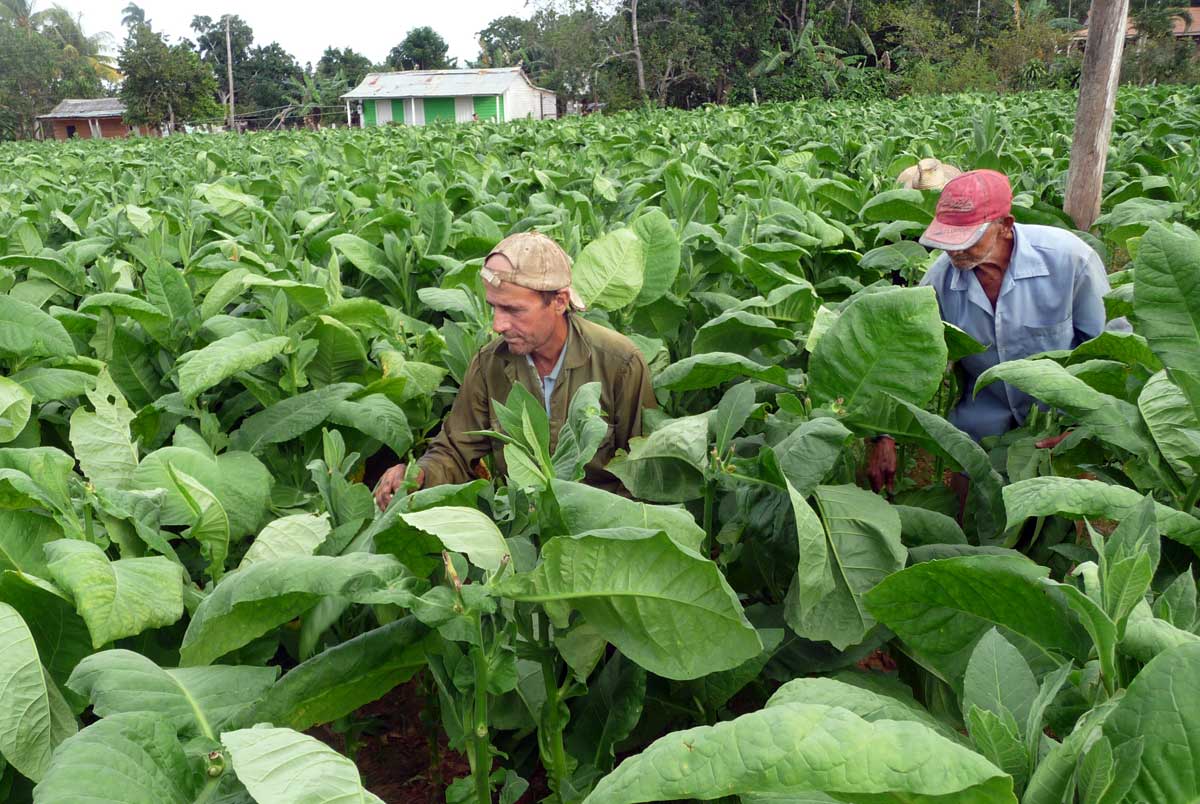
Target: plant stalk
column 481, row 754
column 1193, row 494
column 552, row 738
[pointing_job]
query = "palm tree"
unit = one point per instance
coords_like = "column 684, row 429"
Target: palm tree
column 19, row 12
column 132, row 15
column 57, row 24
column 311, row 94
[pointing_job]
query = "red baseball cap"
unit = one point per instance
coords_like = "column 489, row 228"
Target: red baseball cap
column 968, row 203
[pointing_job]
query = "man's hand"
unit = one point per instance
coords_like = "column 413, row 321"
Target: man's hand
column 393, row 479
column 881, row 464
column 1052, row 441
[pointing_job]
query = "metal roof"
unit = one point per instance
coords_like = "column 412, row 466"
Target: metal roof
column 437, row 83
column 91, row 107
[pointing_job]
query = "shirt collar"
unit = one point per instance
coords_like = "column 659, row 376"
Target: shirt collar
column 1024, row 263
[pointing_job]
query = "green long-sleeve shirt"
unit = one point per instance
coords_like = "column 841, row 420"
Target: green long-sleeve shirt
column 593, row 353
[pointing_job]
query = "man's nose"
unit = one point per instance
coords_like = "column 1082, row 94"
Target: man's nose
column 499, row 323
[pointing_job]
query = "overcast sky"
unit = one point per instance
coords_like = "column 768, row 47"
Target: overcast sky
column 372, row 27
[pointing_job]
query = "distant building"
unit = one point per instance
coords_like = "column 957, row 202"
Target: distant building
column 1185, row 24
column 417, row 97
column 89, row 119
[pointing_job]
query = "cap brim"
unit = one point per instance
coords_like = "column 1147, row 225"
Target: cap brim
column 952, row 238
column 576, row 300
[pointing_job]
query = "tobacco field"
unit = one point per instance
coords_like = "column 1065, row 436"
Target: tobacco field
column 207, row 343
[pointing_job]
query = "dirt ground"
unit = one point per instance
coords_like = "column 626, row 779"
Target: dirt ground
column 395, row 755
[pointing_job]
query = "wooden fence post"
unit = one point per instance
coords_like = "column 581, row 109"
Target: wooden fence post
column 1094, row 116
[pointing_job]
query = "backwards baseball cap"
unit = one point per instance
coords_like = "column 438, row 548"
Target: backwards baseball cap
column 538, row 263
column 966, row 206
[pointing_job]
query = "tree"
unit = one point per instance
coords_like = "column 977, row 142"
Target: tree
column 210, row 43
column 422, row 49
column 268, row 72
column 57, row 24
column 133, row 15
column 507, row 41
column 164, row 83
column 351, row 65
column 312, row 96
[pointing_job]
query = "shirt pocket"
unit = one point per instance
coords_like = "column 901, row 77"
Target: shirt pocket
column 1044, row 338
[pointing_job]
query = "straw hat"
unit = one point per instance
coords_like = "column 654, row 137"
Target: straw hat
column 928, row 174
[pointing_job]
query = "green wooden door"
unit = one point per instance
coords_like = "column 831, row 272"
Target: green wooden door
column 439, row 109
column 485, row 107
column 369, row 113
column 397, row 111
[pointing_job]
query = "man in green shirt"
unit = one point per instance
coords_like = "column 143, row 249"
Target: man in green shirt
column 548, row 349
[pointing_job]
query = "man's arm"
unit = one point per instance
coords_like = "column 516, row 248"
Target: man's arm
column 453, row 452
column 634, row 392
column 1091, row 283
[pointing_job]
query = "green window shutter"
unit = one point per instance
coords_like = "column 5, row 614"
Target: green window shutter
column 485, row 107
column 439, row 109
column 502, row 117
column 397, row 111
column 369, row 113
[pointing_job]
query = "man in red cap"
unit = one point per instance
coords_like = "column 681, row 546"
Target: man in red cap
column 550, row 351
column 1018, row 288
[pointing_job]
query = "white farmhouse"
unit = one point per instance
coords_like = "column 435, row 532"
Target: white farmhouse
column 417, row 97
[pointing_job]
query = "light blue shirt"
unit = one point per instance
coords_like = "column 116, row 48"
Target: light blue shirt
column 1051, row 297
column 550, row 379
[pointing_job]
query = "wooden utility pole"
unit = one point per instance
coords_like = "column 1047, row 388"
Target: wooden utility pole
column 1094, row 116
column 233, row 125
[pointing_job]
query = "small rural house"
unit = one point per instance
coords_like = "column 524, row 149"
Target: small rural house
column 89, row 119
column 1185, row 24
column 417, row 97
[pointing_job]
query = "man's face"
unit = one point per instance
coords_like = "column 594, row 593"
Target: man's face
column 968, row 258
column 520, row 315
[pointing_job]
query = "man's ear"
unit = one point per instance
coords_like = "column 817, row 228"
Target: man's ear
column 562, row 301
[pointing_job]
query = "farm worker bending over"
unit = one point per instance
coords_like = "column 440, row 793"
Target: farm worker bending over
column 1020, row 289
column 548, row 349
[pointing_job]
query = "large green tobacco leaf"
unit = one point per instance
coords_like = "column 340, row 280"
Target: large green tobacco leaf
column 883, row 343
column 712, row 369
column 54, row 384
column 863, row 548
column 608, row 273
column 60, row 633
column 1111, row 419
column 153, row 320
column 238, row 479
column 220, row 360
column 34, row 717
column 581, row 434
column 1087, row 499
column 806, row 749
column 661, row 246
column 948, row 440
column 378, row 417
column 870, row 704
column 1167, row 304
column 585, row 508
column 667, row 465
column 335, row 683
column 942, row 608
column 999, row 680
column 131, row 758
column 252, row 601
column 196, row 700
column 101, row 438
column 290, row 418
column 281, row 766
column 210, row 522
column 1160, row 708
column 16, row 403
column 117, row 598
column 664, row 607
column 22, row 537
column 738, row 331
column 25, row 331
column 463, row 530
column 1171, row 421
column 810, row 452
column 295, row 535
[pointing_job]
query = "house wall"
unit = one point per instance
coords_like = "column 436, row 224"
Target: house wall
column 383, row 112
column 464, row 108
column 110, row 128
column 521, row 101
column 549, row 106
